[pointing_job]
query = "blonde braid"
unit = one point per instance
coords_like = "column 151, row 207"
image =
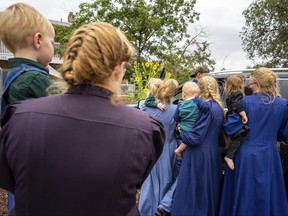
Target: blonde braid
column 210, row 90
column 70, row 55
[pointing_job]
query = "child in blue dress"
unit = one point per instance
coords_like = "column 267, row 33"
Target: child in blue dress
column 234, row 88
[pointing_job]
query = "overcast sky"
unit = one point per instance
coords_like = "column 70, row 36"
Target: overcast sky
column 222, row 20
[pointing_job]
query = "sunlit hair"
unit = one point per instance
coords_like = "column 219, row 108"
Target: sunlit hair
column 92, row 54
column 167, row 90
column 267, row 80
column 209, row 90
column 18, row 22
column 234, row 84
column 153, row 85
column 190, row 89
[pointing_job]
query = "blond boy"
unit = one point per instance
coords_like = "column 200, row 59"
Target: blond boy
column 187, row 111
column 30, row 37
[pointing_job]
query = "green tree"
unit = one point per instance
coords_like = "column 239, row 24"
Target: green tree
column 264, row 35
column 155, row 28
column 62, row 35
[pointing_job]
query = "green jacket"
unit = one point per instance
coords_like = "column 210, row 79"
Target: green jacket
column 31, row 84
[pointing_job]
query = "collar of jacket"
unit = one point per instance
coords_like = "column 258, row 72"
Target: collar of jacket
column 91, row 90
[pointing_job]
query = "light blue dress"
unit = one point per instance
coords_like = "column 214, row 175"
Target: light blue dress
column 159, row 187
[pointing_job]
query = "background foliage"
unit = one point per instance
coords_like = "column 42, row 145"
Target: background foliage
column 265, row 34
column 158, row 30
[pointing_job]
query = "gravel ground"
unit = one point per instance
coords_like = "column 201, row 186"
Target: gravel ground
column 3, row 203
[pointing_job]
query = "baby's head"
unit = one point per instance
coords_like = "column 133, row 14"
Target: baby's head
column 25, row 30
column 190, row 90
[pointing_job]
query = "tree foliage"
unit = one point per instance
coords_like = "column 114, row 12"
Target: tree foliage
column 264, row 35
column 158, row 30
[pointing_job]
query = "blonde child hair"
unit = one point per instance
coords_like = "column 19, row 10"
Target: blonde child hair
column 167, row 90
column 153, row 85
column 190, row 89
column 19, row 23
column 92, row 54
column 234, row 84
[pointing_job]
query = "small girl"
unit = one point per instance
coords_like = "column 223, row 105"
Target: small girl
column 151, row 101
column 234, row 89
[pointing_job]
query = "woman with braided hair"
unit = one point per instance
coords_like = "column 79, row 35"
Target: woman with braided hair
column 82, row 152
column 198, row 186
column 256, row 186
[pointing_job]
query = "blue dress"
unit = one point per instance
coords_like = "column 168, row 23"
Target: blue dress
column 198, row 187
column 256, row 186
column 159, row 187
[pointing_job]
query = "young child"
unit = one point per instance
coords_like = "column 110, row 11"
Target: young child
column 30, row 37
column 151, row 101
column 234, row 87
column 187, row 111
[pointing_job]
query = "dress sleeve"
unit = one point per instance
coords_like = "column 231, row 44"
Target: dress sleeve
column 202, row 105
column 199, row 131
column 283, row 133
column 176, row 115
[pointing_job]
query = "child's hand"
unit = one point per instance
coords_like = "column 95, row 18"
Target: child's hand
column 244, row 117
column 161, row 106
column 229, row 162
column 244, row 120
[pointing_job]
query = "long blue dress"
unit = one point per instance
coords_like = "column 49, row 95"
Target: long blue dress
column 198, row 187
column 159, row 187
column 256, row 186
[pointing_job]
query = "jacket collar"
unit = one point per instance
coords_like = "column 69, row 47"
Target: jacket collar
column 90, row 90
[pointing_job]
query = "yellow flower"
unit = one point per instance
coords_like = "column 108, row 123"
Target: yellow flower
column 138, row 78
column 145, row 90
column 168, row 75
column 147, row 64
column 154, row 67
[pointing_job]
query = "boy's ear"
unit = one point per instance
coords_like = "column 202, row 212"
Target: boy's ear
column 37, row 40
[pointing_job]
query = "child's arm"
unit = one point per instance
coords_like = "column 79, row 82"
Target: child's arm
column 151, row 101
column 238, row 107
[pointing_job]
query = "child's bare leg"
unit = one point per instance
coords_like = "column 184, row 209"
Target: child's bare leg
column 179, row 151
column 229, row 162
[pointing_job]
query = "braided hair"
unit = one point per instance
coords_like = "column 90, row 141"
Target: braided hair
column 209, row 90
column 93, row 52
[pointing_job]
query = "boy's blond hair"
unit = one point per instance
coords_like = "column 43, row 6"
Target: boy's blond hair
column 191, row 89
column 18, row 22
